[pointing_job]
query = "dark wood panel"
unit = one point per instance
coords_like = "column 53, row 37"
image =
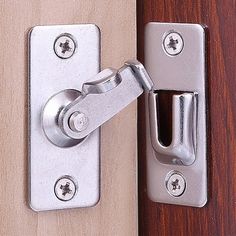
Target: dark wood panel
column 218, row 217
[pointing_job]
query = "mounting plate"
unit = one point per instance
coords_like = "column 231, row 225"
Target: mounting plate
column 49, row 74
column 181, row 71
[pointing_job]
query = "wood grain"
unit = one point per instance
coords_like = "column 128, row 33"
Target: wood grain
column 218, row 217
column 116, row 214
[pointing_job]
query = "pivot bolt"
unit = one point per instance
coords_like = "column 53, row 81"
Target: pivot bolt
column 65, row 188
column 173, row 43
column 175, row 184
column 78, row 121
column 64, row 46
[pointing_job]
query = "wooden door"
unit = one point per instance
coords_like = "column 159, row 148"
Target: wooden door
column 116, row 213
column 218, row 216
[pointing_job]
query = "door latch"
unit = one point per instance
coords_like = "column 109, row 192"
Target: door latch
column 68, row 101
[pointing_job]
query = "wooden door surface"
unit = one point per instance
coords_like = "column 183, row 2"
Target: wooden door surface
column 116, row 213
column 218, row 216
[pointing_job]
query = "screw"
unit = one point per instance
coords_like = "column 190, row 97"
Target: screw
column 65, row 188
column 173, row 43
column 175, row 184
column 64, row 46
column 78, row 121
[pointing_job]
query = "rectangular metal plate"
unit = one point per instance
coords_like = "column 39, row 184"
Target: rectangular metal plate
column 183, row 72
column 48, row 75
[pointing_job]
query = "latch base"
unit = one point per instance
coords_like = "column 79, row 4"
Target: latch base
column 61, row 59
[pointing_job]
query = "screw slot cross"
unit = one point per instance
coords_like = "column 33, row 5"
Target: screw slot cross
column 172, row 43
column 175, row 184
column 66, row 189
column 65, row 46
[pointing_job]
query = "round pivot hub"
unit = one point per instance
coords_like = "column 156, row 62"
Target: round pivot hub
column 50, row 118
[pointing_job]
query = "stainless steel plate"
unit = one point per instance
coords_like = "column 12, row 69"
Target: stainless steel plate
column 180, row 71
column 50, row 74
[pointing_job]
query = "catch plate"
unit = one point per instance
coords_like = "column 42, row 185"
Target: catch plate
column 180, row 71
column 49, row 74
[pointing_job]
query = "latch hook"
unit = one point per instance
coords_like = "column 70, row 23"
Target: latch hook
column 101, row 98
column 111, row 92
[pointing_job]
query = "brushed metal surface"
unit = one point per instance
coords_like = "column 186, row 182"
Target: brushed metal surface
column 49, row 75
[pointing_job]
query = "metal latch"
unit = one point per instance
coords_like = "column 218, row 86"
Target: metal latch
column 68, row 101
